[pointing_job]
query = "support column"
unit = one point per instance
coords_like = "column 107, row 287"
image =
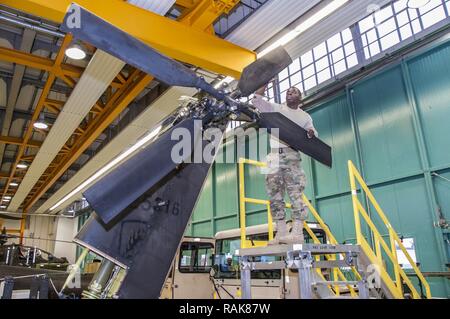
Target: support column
column 246, row 278
column 305, row 278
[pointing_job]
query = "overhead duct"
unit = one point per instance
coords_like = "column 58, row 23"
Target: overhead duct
column 99, row 74
column 30, row 26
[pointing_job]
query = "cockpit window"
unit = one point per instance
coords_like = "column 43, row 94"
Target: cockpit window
column 195, row 257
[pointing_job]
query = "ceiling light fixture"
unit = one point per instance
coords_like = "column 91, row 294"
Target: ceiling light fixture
column 76, row 51
column 305, row 25
column 7, row 197
column 22, row 166
column 416, row 4
column 13, row 184
column 40, row 124
column 110, row 165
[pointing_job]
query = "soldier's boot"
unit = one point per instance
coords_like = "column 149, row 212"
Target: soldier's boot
column 282, row 233
column 296, row 236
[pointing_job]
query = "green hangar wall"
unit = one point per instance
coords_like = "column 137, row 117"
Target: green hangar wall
column 395, row 126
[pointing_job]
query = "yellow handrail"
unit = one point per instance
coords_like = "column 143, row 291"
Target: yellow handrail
column 243, row 200
column 378, row 261
column 331, row 239
column 395, row 286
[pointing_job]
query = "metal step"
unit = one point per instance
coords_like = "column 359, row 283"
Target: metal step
column 340, row 297
column 344, row 297
column 336, row 283
column 314, row 249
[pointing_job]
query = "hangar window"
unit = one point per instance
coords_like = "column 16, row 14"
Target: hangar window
column 384, row 29
column 396, row 22
column 325, row 61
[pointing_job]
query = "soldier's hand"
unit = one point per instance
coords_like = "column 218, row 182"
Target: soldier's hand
column 311, row 133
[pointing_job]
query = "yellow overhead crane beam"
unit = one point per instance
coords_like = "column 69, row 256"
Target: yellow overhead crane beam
column 19, row 141
column 178, row 40
column 205, row 12
column 188, row 4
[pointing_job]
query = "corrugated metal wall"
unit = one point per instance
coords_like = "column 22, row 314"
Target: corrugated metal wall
column 395, row 126
column 269, row 20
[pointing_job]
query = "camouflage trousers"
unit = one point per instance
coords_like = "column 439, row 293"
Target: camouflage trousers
column 285, row 175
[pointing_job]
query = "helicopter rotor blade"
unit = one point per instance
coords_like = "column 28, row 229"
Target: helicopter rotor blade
column 146, row 238
column 263, row 70
column 117, row 190
column 105, row 36
column 296, row 137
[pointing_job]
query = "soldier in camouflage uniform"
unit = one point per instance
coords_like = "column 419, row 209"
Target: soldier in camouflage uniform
column 285, row 174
